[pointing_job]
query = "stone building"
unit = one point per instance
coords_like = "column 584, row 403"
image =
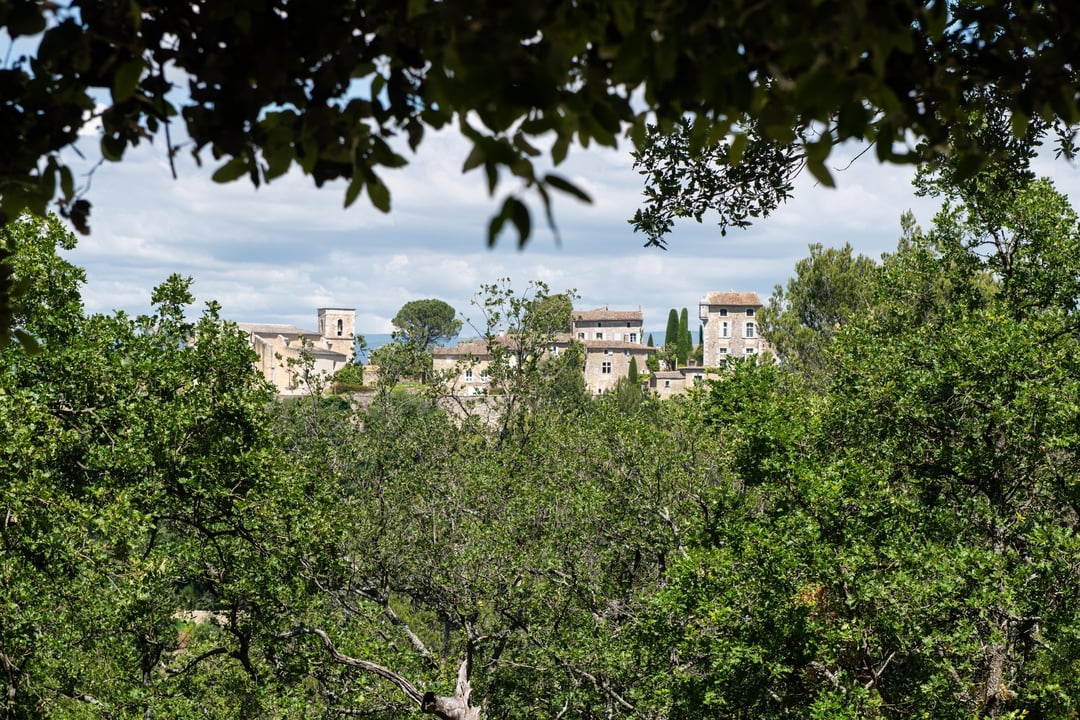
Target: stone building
column 730, row 326
column 465, row 366
column 608, row 360
column 281, row 349
column 608, row 325
column 610, row 338
column 667, row 383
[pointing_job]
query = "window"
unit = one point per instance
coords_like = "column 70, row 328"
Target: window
column 581, row 336
column 748, row 330
column 725, row 329
column 628, row 325
column 667, row 383
column 750, row 312
column 468, row 375
column 633, row 337
column 605, row 367
column 723, row 312
column 722, row 351
column 483, row 376
column 340, row 327
column 750, row 351
column 599, row 336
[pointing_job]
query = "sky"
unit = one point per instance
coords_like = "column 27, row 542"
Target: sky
column 277, row 253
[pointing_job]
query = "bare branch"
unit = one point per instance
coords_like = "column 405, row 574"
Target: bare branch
column 406, row 687
column 383, row 601
column 463, row 688
column 445, row 708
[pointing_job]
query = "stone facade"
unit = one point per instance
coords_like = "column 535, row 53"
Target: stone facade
column 610, row 338
column 730, row 326
column 608, row 360
column 667, row 383
column 279, row 349
column 464, row 365
column 608, row 325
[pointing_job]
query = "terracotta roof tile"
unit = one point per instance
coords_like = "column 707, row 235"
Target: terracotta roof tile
column 605, row 314
column 746, row 299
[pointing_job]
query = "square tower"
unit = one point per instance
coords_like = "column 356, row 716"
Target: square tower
column 337, row 326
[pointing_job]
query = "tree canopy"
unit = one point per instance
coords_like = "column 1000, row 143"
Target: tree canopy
column 426, row 323
column 894, row 537
column 327, row 87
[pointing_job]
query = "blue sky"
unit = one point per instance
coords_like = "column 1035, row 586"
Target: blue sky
column 276, row 253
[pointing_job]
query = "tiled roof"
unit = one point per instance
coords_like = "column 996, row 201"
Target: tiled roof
column 605, row 314
column 668, row 375
column 273, row 330
column 476, row 348
column 328, row 354
column 748, row 299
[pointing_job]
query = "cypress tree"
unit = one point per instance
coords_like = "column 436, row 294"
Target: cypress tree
column 632, row 374
column 682, row 341
column 671, row 335
column 650, row 344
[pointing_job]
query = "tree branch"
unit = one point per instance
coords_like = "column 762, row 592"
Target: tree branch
column 196, row 661
column 445, row 708
column 406, row 687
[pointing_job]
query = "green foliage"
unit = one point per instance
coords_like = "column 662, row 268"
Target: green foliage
column 759, row 92
column 519, row 330
column 739, row 180
column 349, row 378
column 400, row 360
column 426, row 323
column 632, row 373
column 830, row 287
column 524, row 548
column 652, row 362
column 554, row 311
column 898, row 541
column 671, row 334
column 40, row 298
column 149, row 524
column 895, row 536
column 763, row 82
column 683, row 340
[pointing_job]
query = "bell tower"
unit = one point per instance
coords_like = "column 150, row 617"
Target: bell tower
column 337, row 326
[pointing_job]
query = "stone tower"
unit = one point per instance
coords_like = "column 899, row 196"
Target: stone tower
column 337, row 326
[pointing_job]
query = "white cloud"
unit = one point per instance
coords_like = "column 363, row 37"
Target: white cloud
column 276, row 253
